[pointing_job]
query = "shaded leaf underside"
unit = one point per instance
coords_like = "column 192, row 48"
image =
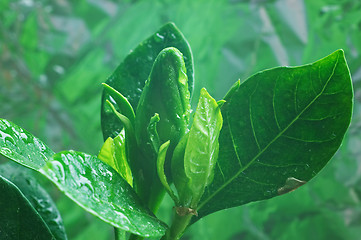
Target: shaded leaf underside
column 39, row 199
column 19, row 220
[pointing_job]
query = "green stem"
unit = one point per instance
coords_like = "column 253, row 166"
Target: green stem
column 119, row 234
column 179, row 225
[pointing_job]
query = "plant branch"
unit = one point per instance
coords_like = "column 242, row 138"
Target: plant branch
column 119, row 234
column 179, row 225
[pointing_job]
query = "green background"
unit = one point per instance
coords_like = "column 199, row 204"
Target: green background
column 55, row 54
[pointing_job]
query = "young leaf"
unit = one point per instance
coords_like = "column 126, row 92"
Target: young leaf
column 160, row 168
column 121, row 158
column 165, row 93
column 153, row 132
column 21, row 146
column 19, row 220
column 100, row 190
column 201, row 151
column 281, row 128
column 129, row 77
column 113, row 153
column 177, row 168
column 38, row 198
column 121, row 101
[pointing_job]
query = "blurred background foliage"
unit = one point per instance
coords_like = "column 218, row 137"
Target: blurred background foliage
column 54, row 55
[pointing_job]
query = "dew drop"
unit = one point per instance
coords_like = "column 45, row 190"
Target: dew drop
column 60, row 170
column 39, row 144
column 7, row 138
column 5, row 151
column 85, row 182
column 24, row 137
column 158, row 37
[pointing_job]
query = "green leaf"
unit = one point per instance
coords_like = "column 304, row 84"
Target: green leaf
column 100, row 190
column 160, row 168
column 88, row 181
column 122, row 102
column 19, row 220
column 165, row 93
column 153, row 132
column 281, row 128
column 38, row 198
column 201, row 151
column 177, row 168
column 113, row 153
column 21, row 146
column 129, row 77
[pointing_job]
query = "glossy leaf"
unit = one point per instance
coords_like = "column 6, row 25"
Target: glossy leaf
column 129, row 77
column 165, row 93
column 153, row 132
column 281, row 128
column 160, row 169
column 19, row 220
column 177, row 168
column 38, row 198
column 89, row 182
column 21, row 146
column 122, row 102
column 201, row 151
column 113, row 153
column 100, row 190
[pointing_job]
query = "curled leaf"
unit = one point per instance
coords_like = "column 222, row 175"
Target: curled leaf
column 160, row 168
column 201, row 151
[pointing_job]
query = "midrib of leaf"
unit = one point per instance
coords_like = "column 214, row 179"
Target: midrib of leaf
column 269, row 144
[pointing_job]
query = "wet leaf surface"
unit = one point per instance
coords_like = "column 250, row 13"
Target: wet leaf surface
column 39, row 199
column 92, row 184
column 100, row 190
column 21, row 146
column 129, row 77
column 19, row 220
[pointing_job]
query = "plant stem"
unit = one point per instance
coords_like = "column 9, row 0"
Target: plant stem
column 179, row 225
column 119, row 234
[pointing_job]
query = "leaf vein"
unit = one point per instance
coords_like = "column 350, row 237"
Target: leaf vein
column 274, row 104
column 309, row 140
column 230, row 180
column 251, row 119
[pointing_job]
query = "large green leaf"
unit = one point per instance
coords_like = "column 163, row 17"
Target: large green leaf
column 129, row 77
column 21, row 146
column 100, row 190
column 281, row 127
column 19, row 220
column 37, row 197
column 92, row 184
